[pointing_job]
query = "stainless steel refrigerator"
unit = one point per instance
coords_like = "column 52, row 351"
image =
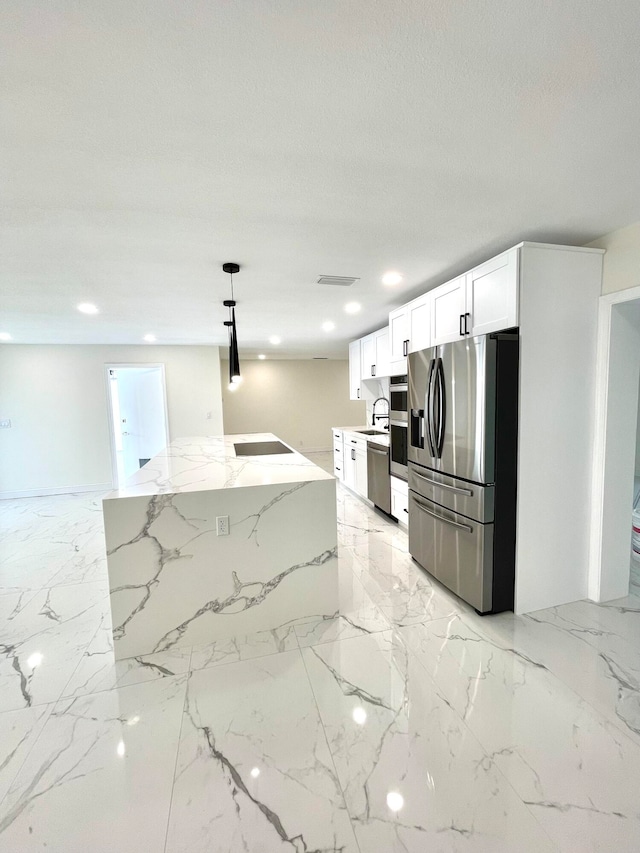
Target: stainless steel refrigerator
column 462, row 460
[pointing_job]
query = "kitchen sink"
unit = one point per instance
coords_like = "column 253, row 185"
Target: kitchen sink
column 371, row 432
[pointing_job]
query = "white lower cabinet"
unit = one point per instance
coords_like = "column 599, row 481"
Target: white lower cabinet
column 400, row 500
column 338, row 454
column 354, row 459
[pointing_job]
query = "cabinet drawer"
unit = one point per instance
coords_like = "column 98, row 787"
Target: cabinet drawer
column 337, row 447
column 337, row 435
column 400, row 505
column 338, row 471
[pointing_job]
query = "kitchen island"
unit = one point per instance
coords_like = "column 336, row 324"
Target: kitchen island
column 173, row 581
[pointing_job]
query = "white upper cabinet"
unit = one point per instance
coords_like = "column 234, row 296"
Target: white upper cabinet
column 448, row 310
column 368, row 356
column 492, row 295
column 398, row 340
column 374, row 350
column 420, row 322
column 409, row 331
column 382, row 361
column 481, row 301
column 355, row 370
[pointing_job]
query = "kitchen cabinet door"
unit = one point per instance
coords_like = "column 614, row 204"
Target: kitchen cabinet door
column 492, row 295
column 448, row 310
column 361, row 478
column 368, row 356
column 398, row 340
column 381, row 338
column 355, row 370
column 419, row 317
column 349, row 466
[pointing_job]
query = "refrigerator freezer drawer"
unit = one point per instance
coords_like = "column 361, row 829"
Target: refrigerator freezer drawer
column 461, row 497
column 454, row 549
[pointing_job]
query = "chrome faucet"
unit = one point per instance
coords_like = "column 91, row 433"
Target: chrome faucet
column 380, row 417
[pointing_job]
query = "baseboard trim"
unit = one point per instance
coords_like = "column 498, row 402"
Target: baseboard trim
column 59, row 490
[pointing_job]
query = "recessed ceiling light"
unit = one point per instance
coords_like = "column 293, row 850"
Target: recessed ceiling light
column 275, row 340
column 391, row 277
column 87, row 308
column 262, row 356
column 150, row 338
column 352, row 307
column 5, row 336
column 328, row 326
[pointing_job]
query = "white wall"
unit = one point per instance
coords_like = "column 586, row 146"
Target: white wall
column 622, row 259
column 56, row 399
column 559, row 292
column 297, row 400
column 621, row 413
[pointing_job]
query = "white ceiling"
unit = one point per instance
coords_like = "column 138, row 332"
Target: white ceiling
column 144, row 143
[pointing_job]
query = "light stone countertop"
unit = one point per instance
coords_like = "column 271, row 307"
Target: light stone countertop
column 382, row 438
column 210, row 463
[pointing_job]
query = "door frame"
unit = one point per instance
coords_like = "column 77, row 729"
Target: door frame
column 604, row 583
column 112, row 439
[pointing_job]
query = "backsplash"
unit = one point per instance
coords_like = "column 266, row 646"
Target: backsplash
column 377, row 388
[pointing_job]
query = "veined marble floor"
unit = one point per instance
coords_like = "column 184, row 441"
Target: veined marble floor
column 405, row 722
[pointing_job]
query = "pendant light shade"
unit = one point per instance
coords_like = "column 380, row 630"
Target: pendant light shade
column 234, row 360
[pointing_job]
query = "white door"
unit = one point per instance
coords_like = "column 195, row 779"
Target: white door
column 447, row 311
column 138, row 417
column 368, row 356
column 420, row 323
column 492, row 295
column 381, row 338
column 398, row 340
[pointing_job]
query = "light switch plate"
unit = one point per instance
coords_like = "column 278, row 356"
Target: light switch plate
column 6, row 424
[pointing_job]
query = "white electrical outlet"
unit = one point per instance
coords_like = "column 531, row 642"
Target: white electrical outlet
column 222, row 525
column 5, row 424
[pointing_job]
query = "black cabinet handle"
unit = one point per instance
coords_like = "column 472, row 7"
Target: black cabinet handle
column 358, row 393
column 405, row 347
column 462, row 332
column 337, row 469
column 373, row 370
column 406, row 510
column 466, row 328
column 353, row 454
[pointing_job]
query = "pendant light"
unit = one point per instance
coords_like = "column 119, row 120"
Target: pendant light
column 234, row 360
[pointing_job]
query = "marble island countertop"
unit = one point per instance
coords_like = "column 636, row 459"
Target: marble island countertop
column 210, row 463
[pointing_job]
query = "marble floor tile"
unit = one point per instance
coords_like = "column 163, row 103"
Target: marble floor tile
column 244, row 647
column 99, row 670
column 413, row 775
column 601, row 664
column 254, row 771
column 569, row 765
column 18, row 733
column 100, row 775
column 43, row 644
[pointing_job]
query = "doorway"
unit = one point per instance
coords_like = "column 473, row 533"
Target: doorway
column 615, row 441
column 138, row 423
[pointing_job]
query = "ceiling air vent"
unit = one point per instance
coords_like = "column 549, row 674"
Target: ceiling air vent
column 340, row 280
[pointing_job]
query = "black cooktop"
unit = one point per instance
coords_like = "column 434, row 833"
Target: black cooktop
column 261, row 448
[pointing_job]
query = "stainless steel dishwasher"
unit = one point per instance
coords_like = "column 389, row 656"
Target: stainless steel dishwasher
column 378, row 476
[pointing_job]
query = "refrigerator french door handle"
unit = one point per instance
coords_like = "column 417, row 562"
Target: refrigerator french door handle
column 442, row 407
column 442, row 518
column 429, row 408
